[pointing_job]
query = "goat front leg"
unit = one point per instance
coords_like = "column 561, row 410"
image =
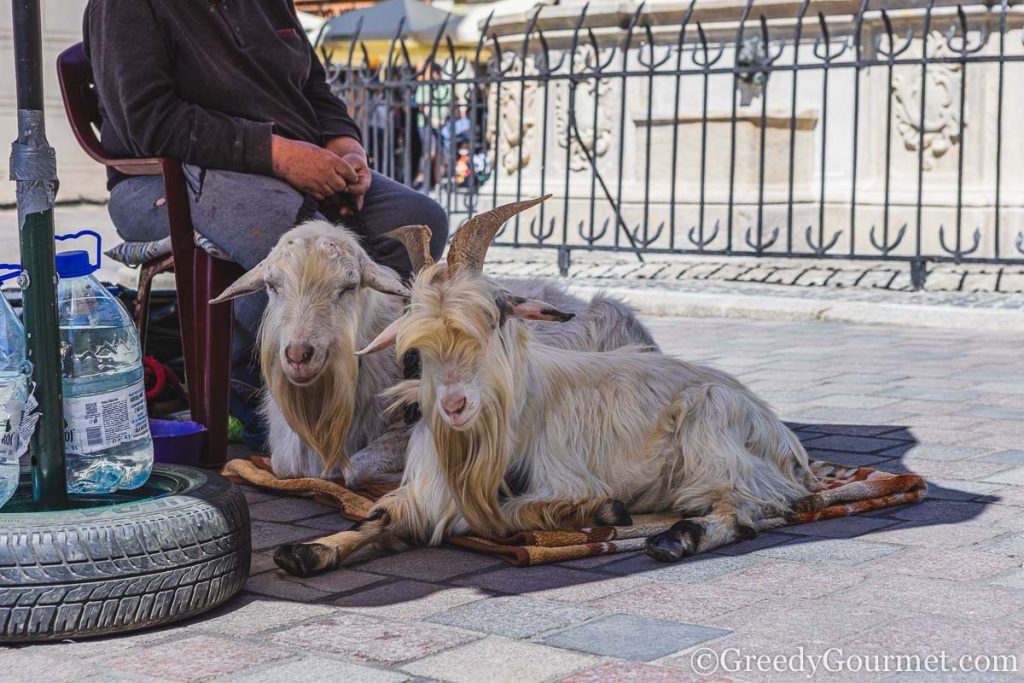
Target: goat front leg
column 382, row 461
column 567, row 514
column 384, row 522
column 699, row 534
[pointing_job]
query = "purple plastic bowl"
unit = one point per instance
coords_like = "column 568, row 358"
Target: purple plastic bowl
column 176, row 442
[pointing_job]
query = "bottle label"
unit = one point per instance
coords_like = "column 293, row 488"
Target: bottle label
column 12, row 402
column 96, row 423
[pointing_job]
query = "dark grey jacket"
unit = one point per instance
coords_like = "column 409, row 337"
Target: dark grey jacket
column 207, row 81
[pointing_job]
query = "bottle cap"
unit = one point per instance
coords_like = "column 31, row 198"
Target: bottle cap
column 74, row 264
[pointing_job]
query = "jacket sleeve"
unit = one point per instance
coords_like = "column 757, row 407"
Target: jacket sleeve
column 331, row 112
column 134, row 79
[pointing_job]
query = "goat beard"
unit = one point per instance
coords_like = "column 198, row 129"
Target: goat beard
column 474, row 463
column 320, row 413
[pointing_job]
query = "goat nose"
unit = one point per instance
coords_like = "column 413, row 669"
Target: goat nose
column 454, row 404
column 298, row 354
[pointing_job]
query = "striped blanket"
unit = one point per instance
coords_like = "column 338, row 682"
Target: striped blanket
column 840, row 491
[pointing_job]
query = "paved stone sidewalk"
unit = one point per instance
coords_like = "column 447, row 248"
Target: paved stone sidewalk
column 944, row 575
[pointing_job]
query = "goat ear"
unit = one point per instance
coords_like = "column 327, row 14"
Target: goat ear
column 386, row 338
column 382, row 279
column 250, row 282
column 535, row 309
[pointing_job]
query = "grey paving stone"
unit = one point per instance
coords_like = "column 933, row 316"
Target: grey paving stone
column 275, row 585
column 795, row 580
column 1013, row 476
column 950, row 564
column 904, row 594
column 850, row 430
column 500, row 660
column 924, row 635
column 531, row 579
column 286, row 509
column 764, row 540
column 843, row 552
column 409, row 599
column 330, row 523
column 1012, row 579
column 1008, row 457
column 199, row 658
column 848, row 459
column 696, row 569
column 271, row 534
column 677, row 602
column 1011, row 544
column 636, row 672
column 371, row 641
column 854, row 444
column 952, row 489
column 631, row 637
column 263, row 615
column 336, row 581
column 431, row 564
column 319, row 670
column 840, row 527
column 515, row 616
column 261, row 562
column 799, row 621
column 938, row 452
column 993, row 412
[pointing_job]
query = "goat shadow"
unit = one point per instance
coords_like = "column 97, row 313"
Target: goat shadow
column 841, row 541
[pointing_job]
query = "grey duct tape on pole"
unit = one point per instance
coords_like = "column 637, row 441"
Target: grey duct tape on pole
column 33, row 166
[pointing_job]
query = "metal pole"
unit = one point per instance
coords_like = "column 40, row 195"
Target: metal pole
column 34, row 169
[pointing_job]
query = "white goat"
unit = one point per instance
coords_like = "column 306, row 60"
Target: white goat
column 587, row 437
column 327, row 299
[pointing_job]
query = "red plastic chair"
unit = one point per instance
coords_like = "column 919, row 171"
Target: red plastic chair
column 198, row 277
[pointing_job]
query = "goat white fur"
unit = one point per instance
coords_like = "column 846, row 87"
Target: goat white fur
column 588, row 437
column 325, row 293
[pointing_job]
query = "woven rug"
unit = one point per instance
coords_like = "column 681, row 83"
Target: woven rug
column 840, row 491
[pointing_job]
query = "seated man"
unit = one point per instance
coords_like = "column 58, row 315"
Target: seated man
column 235, row 91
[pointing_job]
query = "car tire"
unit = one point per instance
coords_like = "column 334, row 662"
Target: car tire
column 97, row 571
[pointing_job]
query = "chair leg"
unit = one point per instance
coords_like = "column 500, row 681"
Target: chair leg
column 214, row 351
column 147, row 272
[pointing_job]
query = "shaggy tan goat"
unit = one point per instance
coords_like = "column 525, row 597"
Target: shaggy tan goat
column 328, row 299
column 586, row 437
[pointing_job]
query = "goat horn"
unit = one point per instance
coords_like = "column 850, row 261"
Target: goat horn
column 469, row 246
column 416, row 239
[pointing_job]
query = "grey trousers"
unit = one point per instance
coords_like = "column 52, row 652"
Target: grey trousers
column 245, row 214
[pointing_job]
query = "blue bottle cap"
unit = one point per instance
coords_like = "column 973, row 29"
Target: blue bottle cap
column 74, row 264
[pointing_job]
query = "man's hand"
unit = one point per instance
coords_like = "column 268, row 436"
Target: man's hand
column 352, row 152
column 314, row 170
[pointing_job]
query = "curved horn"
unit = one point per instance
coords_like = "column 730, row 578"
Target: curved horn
column 469, row 246
column 416, row 239
column 251, row 281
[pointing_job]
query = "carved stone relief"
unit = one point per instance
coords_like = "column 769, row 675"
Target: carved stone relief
column 942, row 103
column 514, row 132
column 592, row 97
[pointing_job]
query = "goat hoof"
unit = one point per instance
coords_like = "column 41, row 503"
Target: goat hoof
column 682, row 539
column 805, row 504
column 304, row 559
column 613, row 513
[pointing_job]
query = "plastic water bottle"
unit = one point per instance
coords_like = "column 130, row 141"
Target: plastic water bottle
column 107, row 443
column 13, row 391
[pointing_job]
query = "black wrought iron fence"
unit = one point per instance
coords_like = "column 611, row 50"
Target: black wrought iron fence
column 888, row 133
